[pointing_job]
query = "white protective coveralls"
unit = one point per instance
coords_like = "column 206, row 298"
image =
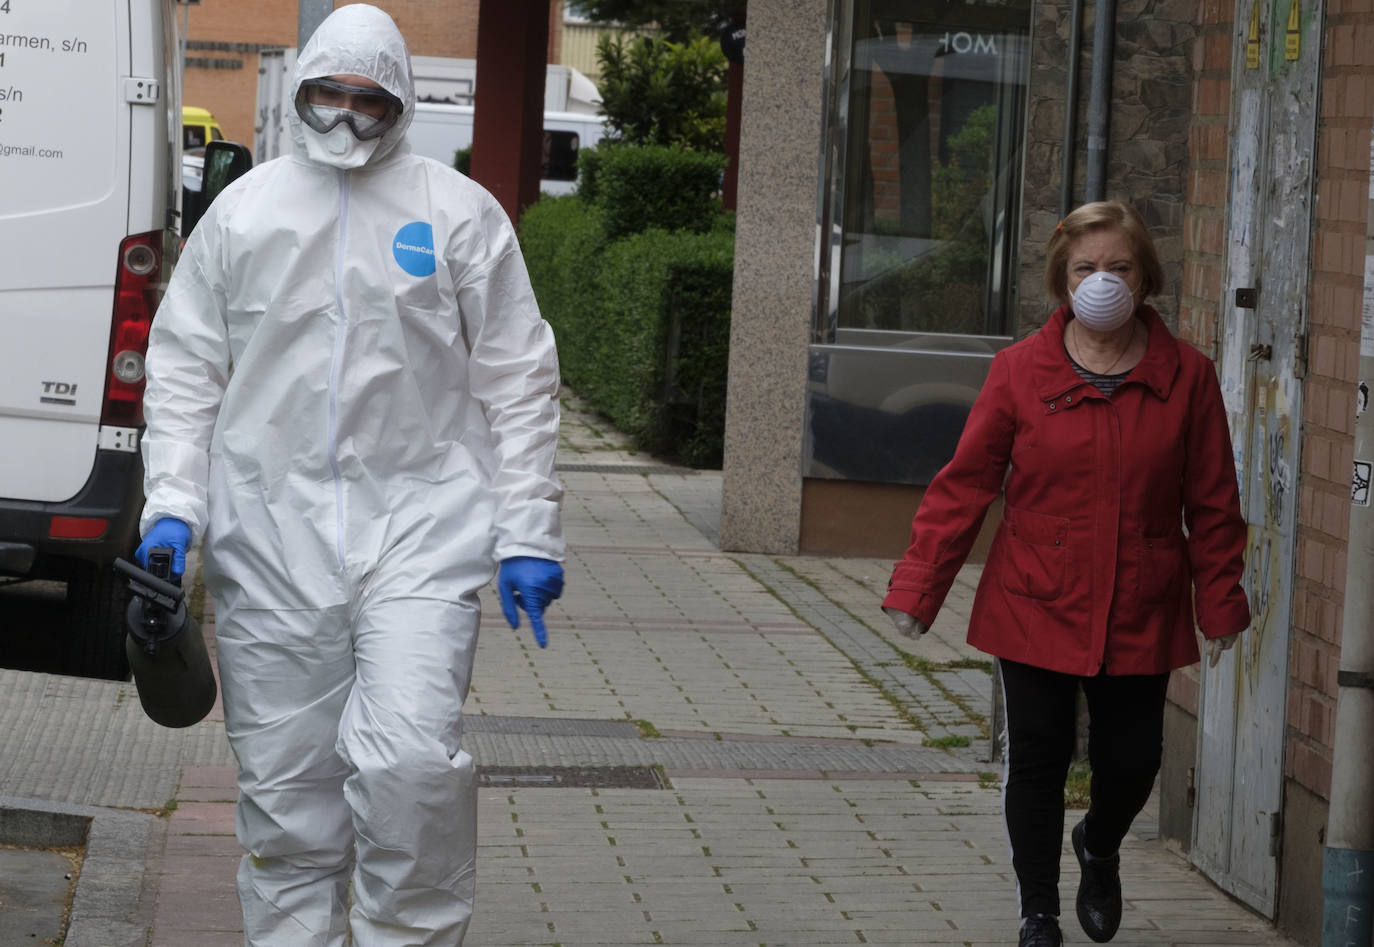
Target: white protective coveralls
column 353, row 399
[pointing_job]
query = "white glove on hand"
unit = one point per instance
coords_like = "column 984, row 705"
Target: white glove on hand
column 1215, row 646
column 907, row 624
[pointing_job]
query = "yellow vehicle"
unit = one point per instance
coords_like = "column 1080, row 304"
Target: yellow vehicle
column 198, row 127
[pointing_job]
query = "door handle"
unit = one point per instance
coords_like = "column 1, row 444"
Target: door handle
column 1258, row 352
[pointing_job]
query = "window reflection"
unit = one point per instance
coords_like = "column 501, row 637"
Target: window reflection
column 936, row 99
column 916, row 230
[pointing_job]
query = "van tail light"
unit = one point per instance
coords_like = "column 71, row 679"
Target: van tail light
column 77, row 527
column 138, row 290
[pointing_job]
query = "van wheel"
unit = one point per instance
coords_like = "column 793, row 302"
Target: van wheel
column 97, row 600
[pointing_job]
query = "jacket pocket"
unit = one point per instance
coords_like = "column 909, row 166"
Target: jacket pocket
column 1037, row 547
column 1162, row 567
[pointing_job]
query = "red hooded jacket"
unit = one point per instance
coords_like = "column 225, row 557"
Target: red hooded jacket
column 1118, row 512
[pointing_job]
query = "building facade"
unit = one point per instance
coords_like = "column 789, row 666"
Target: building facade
column 902, row 167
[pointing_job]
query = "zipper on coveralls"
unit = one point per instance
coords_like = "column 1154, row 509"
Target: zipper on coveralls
column 336, row 368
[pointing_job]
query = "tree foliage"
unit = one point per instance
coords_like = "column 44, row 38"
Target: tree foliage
column 656, row 92
column 678, row 20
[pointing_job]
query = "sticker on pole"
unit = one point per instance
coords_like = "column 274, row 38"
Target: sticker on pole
column 1359, row 484
column 1367, row 308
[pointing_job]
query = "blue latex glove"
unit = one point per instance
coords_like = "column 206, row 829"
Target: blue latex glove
column 531, row 583
column 171, row 533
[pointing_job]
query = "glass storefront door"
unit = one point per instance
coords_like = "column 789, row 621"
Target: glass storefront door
column 919, row 203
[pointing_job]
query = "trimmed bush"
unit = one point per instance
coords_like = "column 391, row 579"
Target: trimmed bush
column 562, row 239
column 588, row 164
column 652, row 187
column 642, row 324
column 665, row 341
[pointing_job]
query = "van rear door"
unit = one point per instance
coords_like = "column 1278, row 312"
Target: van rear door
column 69, row 89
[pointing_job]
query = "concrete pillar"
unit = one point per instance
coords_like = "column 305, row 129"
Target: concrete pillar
column 734, row 92
column 508, row 117
column 775, row 244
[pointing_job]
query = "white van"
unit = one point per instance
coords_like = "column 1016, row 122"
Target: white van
column 440, row 130
column 90, row 171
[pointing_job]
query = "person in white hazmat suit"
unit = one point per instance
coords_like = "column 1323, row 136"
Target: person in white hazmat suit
column 353, row 399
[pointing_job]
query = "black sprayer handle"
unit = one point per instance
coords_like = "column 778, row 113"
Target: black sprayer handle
column 160, row 564
column 149, row 587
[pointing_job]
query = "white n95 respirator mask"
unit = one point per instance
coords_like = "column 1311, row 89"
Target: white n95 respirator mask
column 339, row 147
column 1103, row 302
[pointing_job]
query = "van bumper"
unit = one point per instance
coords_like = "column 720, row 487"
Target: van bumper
column 113, row 492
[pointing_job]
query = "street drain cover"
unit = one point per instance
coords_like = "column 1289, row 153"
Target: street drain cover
column 551, row 726
column 641, row 469
column 569, row 777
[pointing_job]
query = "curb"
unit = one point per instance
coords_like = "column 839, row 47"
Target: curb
column 112, row 903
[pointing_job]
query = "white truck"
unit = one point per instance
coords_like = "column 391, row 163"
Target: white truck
column 90, row 175
column 439, row 131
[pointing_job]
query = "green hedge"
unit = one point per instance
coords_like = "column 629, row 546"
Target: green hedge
column 563, row 239
column 652, row 187
column 643, row 323
column 666, row 341
column 588, row 171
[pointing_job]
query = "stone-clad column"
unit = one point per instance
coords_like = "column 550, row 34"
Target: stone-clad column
column 774, row 247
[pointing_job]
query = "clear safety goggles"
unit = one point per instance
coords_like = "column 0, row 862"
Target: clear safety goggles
column 324, row 104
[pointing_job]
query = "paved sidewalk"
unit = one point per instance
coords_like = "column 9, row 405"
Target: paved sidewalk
column 715, row 749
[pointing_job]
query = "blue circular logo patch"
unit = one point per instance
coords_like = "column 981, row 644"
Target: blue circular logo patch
column 414, row 248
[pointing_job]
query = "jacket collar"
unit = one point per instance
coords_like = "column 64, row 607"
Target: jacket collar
column 1053, row 375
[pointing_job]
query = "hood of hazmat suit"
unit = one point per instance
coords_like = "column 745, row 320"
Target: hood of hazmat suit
column 350, row 365
column 360, row 41
column 352, row 399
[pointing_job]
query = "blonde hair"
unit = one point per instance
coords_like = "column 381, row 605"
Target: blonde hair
column 1101, row 215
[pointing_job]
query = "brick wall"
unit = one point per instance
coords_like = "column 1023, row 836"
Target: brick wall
column 225, row 79
column 1204, row 217
column 1341, row 228
column 883, row 147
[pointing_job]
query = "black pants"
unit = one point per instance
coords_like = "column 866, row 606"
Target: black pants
column 1125, row 744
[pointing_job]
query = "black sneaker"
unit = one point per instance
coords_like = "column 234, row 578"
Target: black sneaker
column 1040, row 930
column 1099, row 890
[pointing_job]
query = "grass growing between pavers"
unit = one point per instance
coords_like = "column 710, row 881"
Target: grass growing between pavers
column 926, row 668
column 929, row 670
column 906, row 715
column 1076, row 786
column 743, row 862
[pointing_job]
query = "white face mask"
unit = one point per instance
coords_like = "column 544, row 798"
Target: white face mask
column 1103, row 302
column 339, row 147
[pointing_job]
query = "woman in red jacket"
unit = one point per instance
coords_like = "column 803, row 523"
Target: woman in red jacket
column 1107, row 439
